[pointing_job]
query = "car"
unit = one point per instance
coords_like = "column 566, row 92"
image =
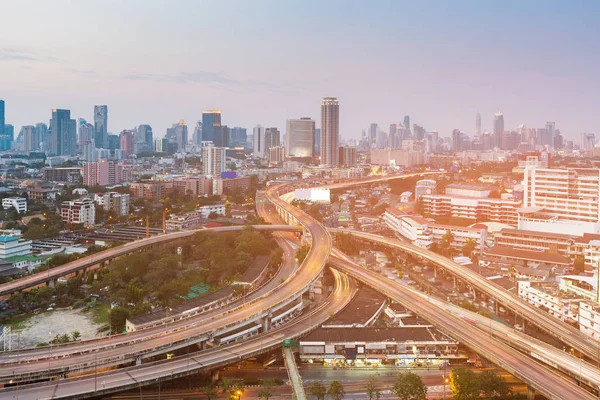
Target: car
column 502, row 310
column 519, row 327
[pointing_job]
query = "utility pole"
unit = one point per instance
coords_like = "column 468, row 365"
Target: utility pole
column 165, row 220
column 147, row 226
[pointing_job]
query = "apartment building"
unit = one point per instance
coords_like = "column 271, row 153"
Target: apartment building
column 556, row 199
column 151, row 190
column 18, row 203
column 205, row 211
column 71, row 175
column 198, row 186
column 504, row 210
column 548, row 297
column 105, row 172
column 589, row 319
column 81, row 211
column 116, row 202
column 538, row 264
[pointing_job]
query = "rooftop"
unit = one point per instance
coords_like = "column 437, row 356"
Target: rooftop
column 5, row 239
column 542, row 256
column 398, row 335
column 361, row 309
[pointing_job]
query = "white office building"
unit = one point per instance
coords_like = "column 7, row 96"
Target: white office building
column 300, row 137
column 11, row 246
column 205, row 211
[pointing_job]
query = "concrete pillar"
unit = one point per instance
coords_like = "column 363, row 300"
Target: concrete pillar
column 85, row 274
column 530, row 393
column 52, row 283
column 497, row 306
column 266, row 323
column 454, row 282
column 214, row 375
column 138, row 361
column 435, row 271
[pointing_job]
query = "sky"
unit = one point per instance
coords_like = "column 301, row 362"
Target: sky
column 264, row 61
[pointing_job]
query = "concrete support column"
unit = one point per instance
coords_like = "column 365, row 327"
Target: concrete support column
column 52, row 283
column 497, row 307
column 435, row 271
column 138, row 361
column 214, row 375
column 530, row 393
column 454, row 282
column 266, row 323
column 85, row 274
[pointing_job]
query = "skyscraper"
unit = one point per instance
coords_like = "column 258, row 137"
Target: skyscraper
column 478, row 123
column 197, row 135
column 393, row 136
column 317, row 149
column 550, row 129
column 87, row 135
column 63, row 140
column 42, row 134
column 213, row 160
column 272, row 139
column 211, row 119
column 2, row 120
column 127, row 143
column 238, row 137
column 31, row 141
column 144, row 139
column 330, row 131
column 259, row 141
column 181, row 135
column 101, row 126
column 406, row 123
column 300, row 137
column 498, row 129
column 7, row 137
column 221, row 136
column 372, row 134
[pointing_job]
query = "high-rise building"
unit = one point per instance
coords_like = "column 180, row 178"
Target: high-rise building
column 347, row 156
column 42, row 134
column 211, row 119
column 299, row 137
column 478, row 123
column 2, row 117
column 272, row 139
column 127, row 140
column 588, row 141
column 101, row 126
column 197, row 135
column 63, row 141
column 498, row 129
column 406, row 124
column 372, row 134
column 213, row 160
column 393, row 136
column 259, row 141
column 114, row 142
column 330, row 134
column 31, row 141
column 456, row 140
column 105, row 172
column 238, row 137
column 276, row 155
column 317, row 149
column 181, row 135
column 78, row 212
column 549, row 134
column 221, row 137
column 144, row 139
column 87, row 135
column 6, row 139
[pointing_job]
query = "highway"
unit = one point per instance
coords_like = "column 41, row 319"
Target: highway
column 563, row 331
column 538, row 376
column 82, row 263
column 136, row 377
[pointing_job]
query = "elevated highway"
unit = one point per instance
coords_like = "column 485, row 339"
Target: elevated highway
column 102, row 384
column 539, row 377
column 107, row 255
column 561, row 330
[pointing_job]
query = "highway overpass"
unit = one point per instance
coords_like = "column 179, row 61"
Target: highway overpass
column 561, row 330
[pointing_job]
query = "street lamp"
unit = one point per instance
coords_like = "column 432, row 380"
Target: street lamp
column 239, row 394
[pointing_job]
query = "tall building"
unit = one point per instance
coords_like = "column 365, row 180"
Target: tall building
column 588, row 141
column 317, row 149
column 63, row 141
column 478, row 123
column 87, row 135
column 213, row 160
column 181, row 135
column 550, row 129
column 2, row 117
column 238, row 137
column 105, row 172
column 330, row 131
column 144, row 140
column 160, row 145
column 456, row 140
column 272, row 139
column 300, row 137
column 78, row 212
column 406, row 123
column 347, row 156
column 114, row 142
column 31, row 140
column 211, row 121
column 127, row 140
column 498, row 129
column 259, row 141
column 197, row 135
column 372, row 134
column 42, row 133
column 276, row 155
column 101, row 126
column 221, row 137
column 7, row 137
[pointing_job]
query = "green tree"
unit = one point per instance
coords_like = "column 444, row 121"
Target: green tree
column 373, row 387
column 318, row 390
column 302, row 252
column 468, row 247
column 276, row 256
column 446, row 243
column 118, row 317
column 465, row 384
column 210, row 392
column 75, row 335
column 336, row 390
column 409, row 386
column 493, row 385
column 266, row 391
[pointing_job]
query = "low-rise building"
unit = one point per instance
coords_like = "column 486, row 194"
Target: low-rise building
column 546, row 296
column 18, row 203
column 116, row 202
column 11, row 246
column 589, row 319
column 45, row 196
column 502, row 210
column 505, row 258
column 189, row 220
column 231, row 185
column 81, row 211
column 71, row 175
column 198, row 186
column 206, row 211
column 151, row 190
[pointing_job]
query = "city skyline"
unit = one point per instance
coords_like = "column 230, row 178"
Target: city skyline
column 141, row 85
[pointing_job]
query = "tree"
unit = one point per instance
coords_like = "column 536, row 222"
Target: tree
column 210, row 392
column 372, row 387
column 464, row 384
column 336, row 390
column 301, row 253
column 409, row 386
column 75, row 335
column 493, row 385
column 266, row 392
column 318, row 390
column 118, row 316
column 468, row 247
column 446, row 243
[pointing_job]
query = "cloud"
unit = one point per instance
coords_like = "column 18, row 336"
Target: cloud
column 9, row 54
column 212, row 79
